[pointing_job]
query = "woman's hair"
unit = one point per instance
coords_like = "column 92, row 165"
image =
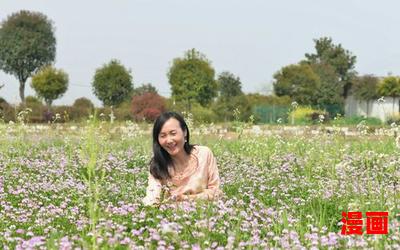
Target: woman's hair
column 161, row 158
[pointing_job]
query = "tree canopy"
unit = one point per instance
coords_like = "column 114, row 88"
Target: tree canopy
column 365, row 87
column 192, row 79
column 229, row 85
column 342, row 60
column 50, row 84
column 145, row 88
column 389, row 86
column 112, row 83
column 298, row 81
column 27, row 43
column 330, row 91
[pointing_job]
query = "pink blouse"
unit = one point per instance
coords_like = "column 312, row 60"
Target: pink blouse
column 200, row 179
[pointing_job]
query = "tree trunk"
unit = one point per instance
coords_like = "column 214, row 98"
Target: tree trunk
column 22, row 90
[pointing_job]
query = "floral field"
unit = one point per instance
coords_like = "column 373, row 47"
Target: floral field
column 80, row 187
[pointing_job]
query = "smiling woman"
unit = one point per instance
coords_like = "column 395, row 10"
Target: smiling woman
column 184, row 171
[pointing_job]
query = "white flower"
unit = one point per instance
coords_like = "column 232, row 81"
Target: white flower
column 167, row 228
column 398, row 142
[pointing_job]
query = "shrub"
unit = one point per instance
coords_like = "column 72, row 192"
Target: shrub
column 123, row 111
column 83, row 102
column 60, row 114
column 395, row 118
column 7, row 112
column 224, row 109
column 354, row 120
column 176, row 106
column 202, row 114
column 307, row 115
column 151, row 114
column 259, row 99
column 81, row 109
column 147, row 105
column 32, row 100
column 104, row 113
column 36, row 106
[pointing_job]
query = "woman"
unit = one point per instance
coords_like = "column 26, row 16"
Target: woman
column 178, row 170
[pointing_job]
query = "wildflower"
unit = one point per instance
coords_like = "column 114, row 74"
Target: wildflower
column 167, row 228
column 321, row 118
column 398, row 142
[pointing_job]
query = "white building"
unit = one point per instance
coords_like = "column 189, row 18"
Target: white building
column 374, row 108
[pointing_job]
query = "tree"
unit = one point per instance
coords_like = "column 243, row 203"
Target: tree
column 343, row 61
column 50, row 84
column 112, row 83
column 145, row 88
column 192, row 79
column 329, row 95
column 299, row 82
column 365, row 88
column 229, row 85
column 27, row 43
column 390, row 86
column 148, row 106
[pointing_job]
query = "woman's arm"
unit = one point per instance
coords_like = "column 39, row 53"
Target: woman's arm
column 153, row 191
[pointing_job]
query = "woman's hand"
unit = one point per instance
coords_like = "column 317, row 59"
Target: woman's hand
column 182, row 197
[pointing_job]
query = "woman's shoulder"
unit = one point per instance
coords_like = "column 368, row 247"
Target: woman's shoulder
column 202, row 150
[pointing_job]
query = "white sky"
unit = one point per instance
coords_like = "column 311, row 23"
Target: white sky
column 252, row 39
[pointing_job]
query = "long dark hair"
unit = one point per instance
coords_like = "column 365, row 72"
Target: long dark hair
column 161, row 158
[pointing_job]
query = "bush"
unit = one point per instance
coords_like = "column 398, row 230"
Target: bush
column 123, row 112
column 224, row 109
column 202, row 114
column 7, row 112
column 172, row 105
column 259, row 99
column 103, row 113
column 307, row 115
column 36, row 106
column 395, row 118
column 83, row 102
column 147, row 106
column 32, row 100
column 81, row 109
column 354, row 120
column 151, row 114
column 60, row 114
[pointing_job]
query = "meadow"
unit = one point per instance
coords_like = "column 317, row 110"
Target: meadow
column 79, row 186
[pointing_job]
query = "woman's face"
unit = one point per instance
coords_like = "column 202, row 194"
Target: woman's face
column 172, row 137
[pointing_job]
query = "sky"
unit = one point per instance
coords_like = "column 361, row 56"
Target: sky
column 252, row 39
